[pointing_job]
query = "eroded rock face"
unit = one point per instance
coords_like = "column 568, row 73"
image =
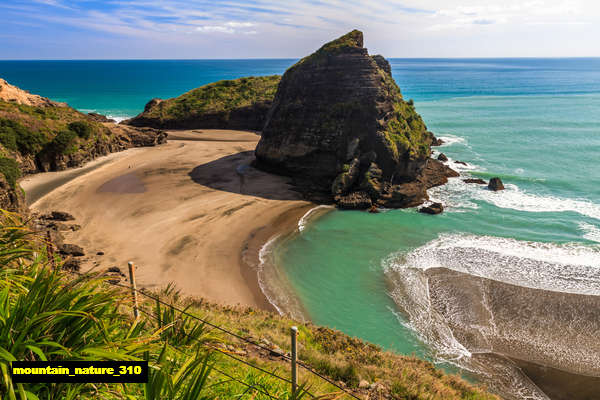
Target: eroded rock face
column 340, row 128
column 11, row 197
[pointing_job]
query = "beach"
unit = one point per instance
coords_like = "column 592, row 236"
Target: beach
column 192, row 212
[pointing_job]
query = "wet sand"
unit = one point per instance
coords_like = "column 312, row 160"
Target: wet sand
column 181, row 212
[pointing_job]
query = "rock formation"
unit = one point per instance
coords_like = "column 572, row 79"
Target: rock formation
column 341, row 129
column 232, row 104
column 496, row 184
column 435, row 208
column 477, row 181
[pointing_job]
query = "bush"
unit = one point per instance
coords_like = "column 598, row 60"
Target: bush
column 82, row 128
column 15, row 136
column 10, row 169
column 62, row 141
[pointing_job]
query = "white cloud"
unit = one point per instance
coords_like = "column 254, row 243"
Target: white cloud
column 395, row 28
column 228, row 27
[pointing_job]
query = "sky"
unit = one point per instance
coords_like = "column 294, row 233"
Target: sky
column 200, row 29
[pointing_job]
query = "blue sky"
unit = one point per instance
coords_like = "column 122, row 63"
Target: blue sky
column 117, row 29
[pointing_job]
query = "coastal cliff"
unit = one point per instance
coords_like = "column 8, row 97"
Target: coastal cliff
column 240, row 104
column 341, row 129
column 40, row 135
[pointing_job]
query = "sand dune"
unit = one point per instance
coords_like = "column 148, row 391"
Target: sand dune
column 181, row 212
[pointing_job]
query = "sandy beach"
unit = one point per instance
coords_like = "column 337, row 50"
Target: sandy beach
column 182, row 212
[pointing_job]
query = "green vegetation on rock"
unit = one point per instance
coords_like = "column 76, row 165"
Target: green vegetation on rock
column 10, row 169
column 214, row 105
column 17, row 137
column 353, row 39
column 406, row 132
column 82, row 128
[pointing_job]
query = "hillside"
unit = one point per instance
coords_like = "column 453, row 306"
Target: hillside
column 40, row 135
column 230, row 104
column 90, row 319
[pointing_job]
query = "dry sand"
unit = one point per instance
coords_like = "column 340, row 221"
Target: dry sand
column 180, row 212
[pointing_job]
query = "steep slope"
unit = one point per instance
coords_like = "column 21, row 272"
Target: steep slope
column 340, row 127
column 39, row 135
column 231, row 104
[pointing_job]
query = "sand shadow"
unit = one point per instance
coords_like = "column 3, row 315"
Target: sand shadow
column 234, row 174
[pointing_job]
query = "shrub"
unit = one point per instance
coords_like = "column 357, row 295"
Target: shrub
column 15, row 136
column 62, row 141
column 82, row 128
column 10, row 169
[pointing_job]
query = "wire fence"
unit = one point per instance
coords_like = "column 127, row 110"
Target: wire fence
column 181, row 311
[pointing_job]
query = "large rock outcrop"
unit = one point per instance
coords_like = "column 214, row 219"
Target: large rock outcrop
column 340, row 127
column 231, row 104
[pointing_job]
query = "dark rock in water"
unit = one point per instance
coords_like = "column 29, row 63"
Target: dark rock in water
column 435, row 141
column 71, row 250
column 436, row 173
column 405, row 195
column 374, row 210
column 496, row 184
column 59, row 216
column 339, row 126
column 442, row 157
column 435, row 208
column 100, row 118
column 461, row 163
column 354, row 201
column 478, row 181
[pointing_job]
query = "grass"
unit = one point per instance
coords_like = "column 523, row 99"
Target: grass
column 218, row 97
column 49, row 314
column 10, row 169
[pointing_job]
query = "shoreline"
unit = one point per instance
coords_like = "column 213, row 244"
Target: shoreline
column 179, row 211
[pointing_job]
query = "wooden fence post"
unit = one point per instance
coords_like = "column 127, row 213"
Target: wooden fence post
column 294, row 352
column 133, row 289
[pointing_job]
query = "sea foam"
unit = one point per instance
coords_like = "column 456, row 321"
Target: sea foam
column 570, row 267
column 460, row 195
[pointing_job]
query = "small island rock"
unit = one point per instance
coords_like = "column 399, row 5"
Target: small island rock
column 442, row 157
column 478, row 181
column 435, row 208
column 496, row 184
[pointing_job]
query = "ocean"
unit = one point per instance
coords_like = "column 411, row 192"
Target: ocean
column 508, row 273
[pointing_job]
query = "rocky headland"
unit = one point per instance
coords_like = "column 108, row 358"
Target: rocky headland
column 240, row 104
column 40, row 135
column 341, row 129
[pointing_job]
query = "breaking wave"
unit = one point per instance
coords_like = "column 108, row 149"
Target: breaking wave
column 457, row 194
column 590, row 232
column 479, row 300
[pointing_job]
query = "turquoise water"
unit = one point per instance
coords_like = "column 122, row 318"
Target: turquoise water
column 535, row 123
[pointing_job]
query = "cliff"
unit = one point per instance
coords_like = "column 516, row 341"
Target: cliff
column 230, row 104
column 340, row 127
column 40, row 135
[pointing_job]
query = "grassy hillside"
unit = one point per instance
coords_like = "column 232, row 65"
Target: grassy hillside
column 239, row 103
column 32, row 130
column 59, row 316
